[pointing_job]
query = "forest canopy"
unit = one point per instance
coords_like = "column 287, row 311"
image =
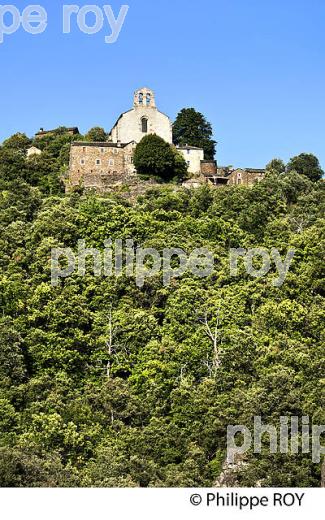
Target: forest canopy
column 104, row 383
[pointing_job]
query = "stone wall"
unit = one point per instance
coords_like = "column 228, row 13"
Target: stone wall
column 99, row 165
column 209, row 168
column 245, row 177
column 129, row 126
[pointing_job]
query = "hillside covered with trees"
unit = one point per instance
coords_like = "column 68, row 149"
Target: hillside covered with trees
column 159, row 415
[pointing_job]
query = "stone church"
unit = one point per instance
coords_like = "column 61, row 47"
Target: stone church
column 143, row 118
column 103, row 166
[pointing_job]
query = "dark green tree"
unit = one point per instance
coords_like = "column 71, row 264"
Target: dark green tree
column 12, row 165
column 191, row 128
column 276, row 166
column 96, row 134
column 156, row 158
column 43, row 171
column 19, row 142
column 306, row 164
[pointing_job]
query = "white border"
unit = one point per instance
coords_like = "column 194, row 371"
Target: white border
column 147, row 504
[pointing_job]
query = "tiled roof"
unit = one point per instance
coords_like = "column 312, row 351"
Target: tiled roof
column 104, row 144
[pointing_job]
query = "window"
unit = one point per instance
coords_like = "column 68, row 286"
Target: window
column 111, row 162
column 188, row 163
column 140, row 98
column 84, row 149
column 102, row 150
column 148, row 99
column 144, row 125
column 115, row 150
column 82, row 162
column 188, row 152
column 98, row 162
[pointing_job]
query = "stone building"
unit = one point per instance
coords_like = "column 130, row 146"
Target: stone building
column 228, row 176
column 194, row 158
column 144, row 118
column 209, row 168
column 245, row 176
column 100, row 165
column 104, row 166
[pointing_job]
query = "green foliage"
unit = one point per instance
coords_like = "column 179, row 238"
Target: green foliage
column 153, row 157
column 12, row 165
column 180, row 166
column 45, row 171
column 152, row 410
column 191, row 128
column 96, row 134
column 19, row 142
column 276, row 166
column 306, row 164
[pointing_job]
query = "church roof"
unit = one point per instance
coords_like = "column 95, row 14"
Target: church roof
column 71, row 130
column 131, row 110
column 103, row 144
column 187, row 147
column 118, row 119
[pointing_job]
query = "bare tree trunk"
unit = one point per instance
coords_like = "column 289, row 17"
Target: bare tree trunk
column 109, row 343
column 322, row 482
column 213, row 334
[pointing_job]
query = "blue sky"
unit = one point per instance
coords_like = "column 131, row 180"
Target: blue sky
column 255, row 68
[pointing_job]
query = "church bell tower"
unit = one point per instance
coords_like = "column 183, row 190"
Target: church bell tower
column 144, row 98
